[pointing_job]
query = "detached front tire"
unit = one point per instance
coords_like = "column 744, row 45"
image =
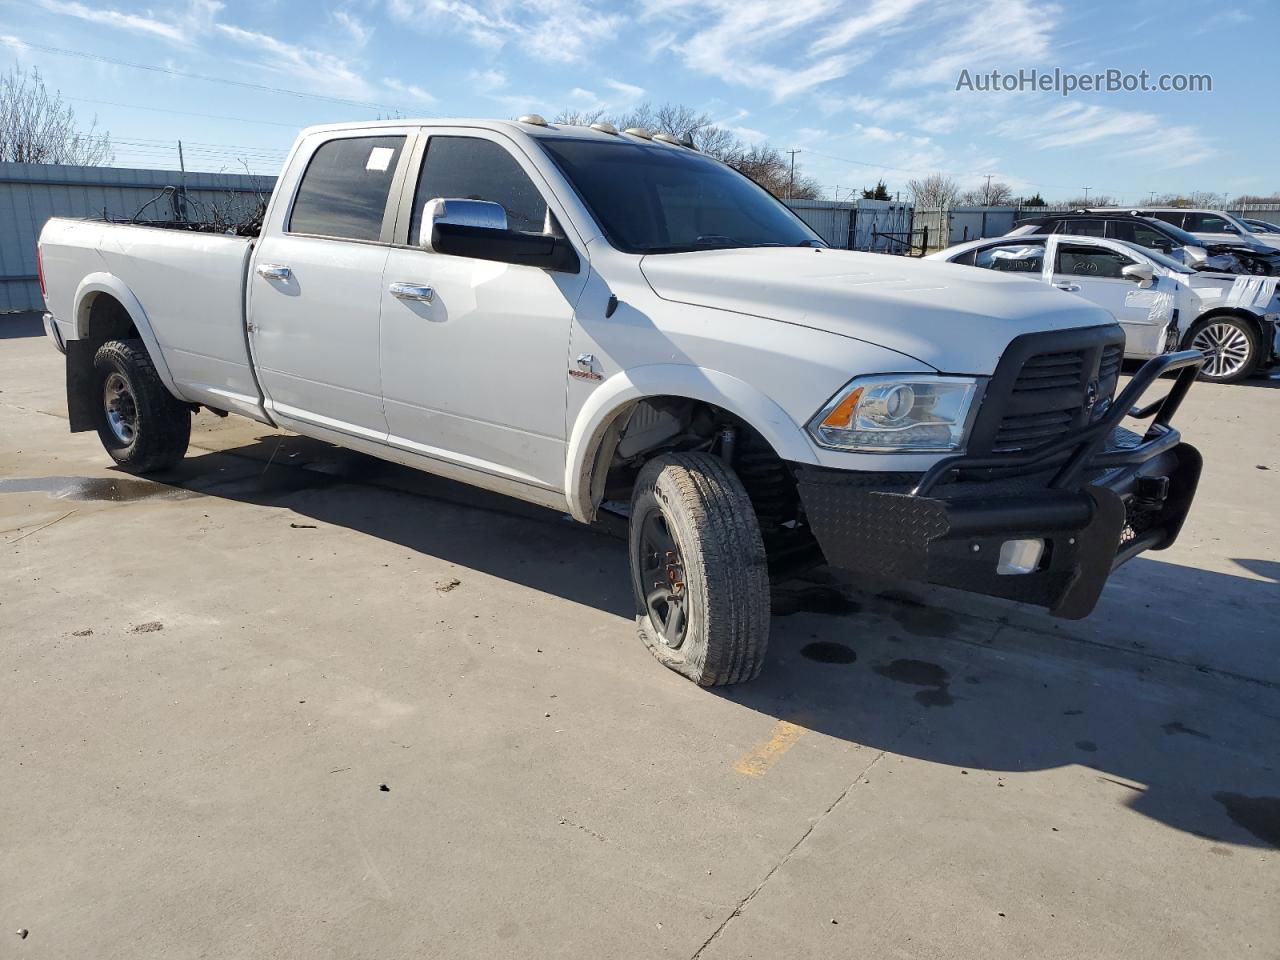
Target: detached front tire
column 141, row 424
column 698, row 569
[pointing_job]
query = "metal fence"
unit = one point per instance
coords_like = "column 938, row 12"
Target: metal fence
column 31, row 193
column 882, row 226
column 957, row 224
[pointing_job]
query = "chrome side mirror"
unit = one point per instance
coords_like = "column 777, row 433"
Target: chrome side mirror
column 459, row 213
column 1140, row 273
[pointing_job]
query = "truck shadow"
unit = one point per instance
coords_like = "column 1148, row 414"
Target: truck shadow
column 1190, row 746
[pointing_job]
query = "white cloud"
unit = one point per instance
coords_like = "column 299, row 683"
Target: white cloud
column 1013, row 33
column 411, row 90
column 359, row 30
column 317, row 68
column 488, row 81
column 556, row 30
column 880, row 16
column 180, row 28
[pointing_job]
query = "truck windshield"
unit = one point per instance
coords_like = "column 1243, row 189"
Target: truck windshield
column 652, row 199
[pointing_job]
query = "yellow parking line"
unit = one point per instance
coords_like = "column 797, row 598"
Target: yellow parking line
column 757, row 761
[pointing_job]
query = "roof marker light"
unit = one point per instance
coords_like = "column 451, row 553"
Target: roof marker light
column 605, row 128
column 534, row 119
column 640, row 132
column 668, row 138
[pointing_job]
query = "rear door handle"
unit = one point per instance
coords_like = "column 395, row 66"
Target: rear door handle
column 274, row 271
column 411, row 291
column 1069, row 287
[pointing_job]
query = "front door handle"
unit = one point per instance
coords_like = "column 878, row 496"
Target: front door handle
column 1069, row 287
column 411, row 291
column 273, row 271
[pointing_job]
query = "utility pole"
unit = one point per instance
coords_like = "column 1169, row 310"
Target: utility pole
column 1151, row 198
column 986, row 193
column 791, row 179
column 1086, row 195
column 180, row 198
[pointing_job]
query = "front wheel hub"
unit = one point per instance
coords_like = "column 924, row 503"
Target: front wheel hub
column 1225, row 347
column 662, row 574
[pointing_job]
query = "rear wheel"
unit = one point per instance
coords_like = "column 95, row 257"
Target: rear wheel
column 698, row 569
column 141, row 424
column 1230, row 347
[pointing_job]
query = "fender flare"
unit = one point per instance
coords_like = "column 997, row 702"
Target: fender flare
column 675, row 380
column 103, row 282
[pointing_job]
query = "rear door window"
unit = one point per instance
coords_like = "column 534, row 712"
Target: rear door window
column 1208, row 223
column 1168, row 216
column 1083, row 227
column 344, row 190
column 1011, row 258
column 1139, row 233
column 1097, row 263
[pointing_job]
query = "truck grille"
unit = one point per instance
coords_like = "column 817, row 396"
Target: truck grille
column 1042, row 387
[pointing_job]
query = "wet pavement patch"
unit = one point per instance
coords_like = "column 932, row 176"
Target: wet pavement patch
column 811, row 599
column 915, row 616
column 1177, row 726
column 1259, row 815
column 107, row 489
column 1088, row 746
column 921, row 673
column 828, row 651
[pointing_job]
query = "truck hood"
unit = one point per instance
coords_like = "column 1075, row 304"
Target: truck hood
column 957, row 319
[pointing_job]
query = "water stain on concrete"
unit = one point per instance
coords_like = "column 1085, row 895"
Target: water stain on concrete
column 828, row 651
column 1088, row 746
column 105, row 489
column 1259, row 815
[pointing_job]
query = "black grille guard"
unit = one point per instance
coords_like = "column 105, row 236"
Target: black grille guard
column 1084, row 449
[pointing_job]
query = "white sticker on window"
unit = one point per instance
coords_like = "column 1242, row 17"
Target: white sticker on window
column 380, row 158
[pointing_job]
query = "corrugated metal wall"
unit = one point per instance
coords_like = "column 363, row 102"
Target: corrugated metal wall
column 31, row 193
column 879, row 225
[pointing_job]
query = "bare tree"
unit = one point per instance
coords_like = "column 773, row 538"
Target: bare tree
column 1249, row 198
column 37, row 127
column 991, row 195
column 1196, row 198
column 764, row 164
column 1097, row 200
column 934, row 192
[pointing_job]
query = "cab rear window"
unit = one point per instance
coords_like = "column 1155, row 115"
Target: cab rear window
column 344, row 190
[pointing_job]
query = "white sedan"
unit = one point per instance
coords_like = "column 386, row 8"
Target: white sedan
column 1161, row 304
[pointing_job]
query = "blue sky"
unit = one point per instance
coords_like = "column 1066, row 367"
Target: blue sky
column 865, row 88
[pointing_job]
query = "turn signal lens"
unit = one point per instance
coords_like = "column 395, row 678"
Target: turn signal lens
column 841, row 418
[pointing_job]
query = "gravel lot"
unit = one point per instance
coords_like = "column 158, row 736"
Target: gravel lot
column 291, row 702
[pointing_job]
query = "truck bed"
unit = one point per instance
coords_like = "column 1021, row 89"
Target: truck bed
column 188, row 285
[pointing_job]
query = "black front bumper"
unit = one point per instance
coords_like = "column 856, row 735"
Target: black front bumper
column 1096, row 499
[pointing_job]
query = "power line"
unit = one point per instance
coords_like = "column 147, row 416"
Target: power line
column 156, row 68
column 184, row 113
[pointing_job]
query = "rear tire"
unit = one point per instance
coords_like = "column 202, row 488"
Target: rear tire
column 141, row 424
column 1231, row 347
column 698, row 569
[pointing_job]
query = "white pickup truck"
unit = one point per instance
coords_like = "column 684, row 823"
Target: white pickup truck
column 590, row 320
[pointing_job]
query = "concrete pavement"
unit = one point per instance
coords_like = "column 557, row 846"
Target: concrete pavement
column 209, row 679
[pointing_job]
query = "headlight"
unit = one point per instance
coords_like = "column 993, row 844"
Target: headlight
column 897, row 413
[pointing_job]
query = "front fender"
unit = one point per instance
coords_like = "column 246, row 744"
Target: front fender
column 673, row 380
column 111, row 285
